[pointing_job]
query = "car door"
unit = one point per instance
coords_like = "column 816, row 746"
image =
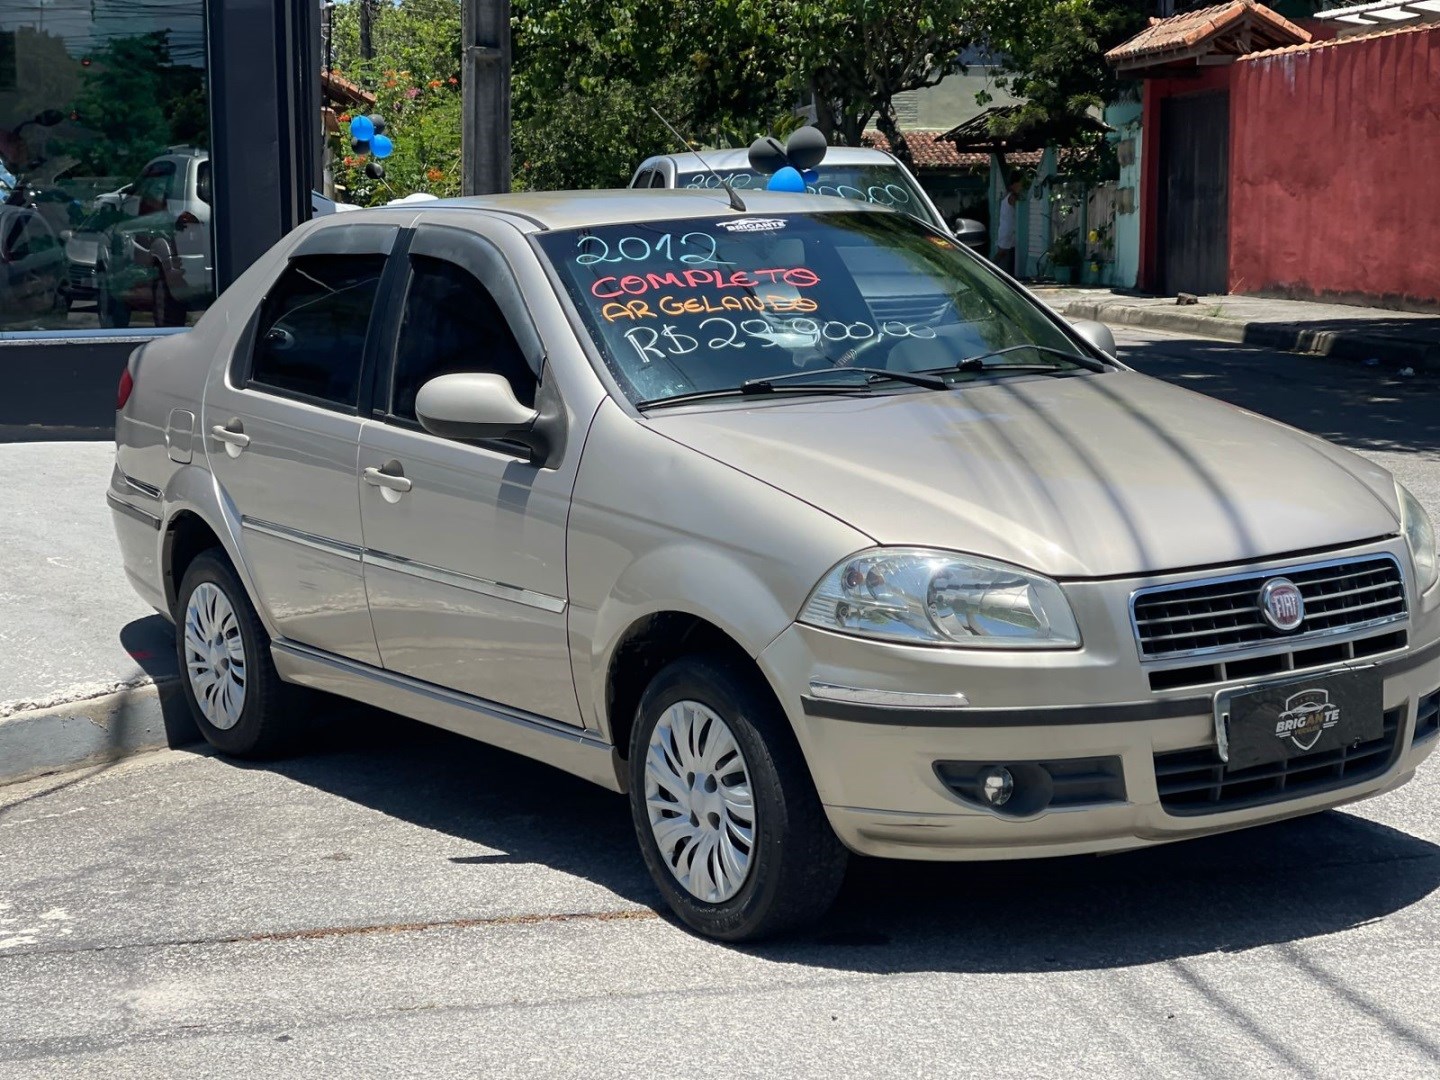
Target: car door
column 465, row 542
column 282, row 431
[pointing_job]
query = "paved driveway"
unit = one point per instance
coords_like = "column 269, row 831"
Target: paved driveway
column 404, row 903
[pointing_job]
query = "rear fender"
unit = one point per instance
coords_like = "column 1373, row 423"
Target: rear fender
column 192, row 489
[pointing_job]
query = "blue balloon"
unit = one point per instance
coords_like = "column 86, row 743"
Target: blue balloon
column 787, row 179
column 381, row 146
column 811, row 176
column 362, row 128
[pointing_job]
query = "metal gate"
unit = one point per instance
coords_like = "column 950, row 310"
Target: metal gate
column 1194, row 194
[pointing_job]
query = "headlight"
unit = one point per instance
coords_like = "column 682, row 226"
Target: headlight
column 920, row 596
column 1420, row 535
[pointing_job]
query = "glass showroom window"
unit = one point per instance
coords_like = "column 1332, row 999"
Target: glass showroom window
column 105, row 183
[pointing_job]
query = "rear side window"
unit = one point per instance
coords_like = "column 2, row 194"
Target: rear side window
column 202, row 183
column 312, row 329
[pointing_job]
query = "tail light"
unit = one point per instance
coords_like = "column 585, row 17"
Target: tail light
column 127, row 384
column 185, row 220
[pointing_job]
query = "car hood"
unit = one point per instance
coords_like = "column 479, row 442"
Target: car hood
column 1082, row 476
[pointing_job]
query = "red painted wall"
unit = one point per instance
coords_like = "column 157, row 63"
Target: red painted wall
column 1335, row 171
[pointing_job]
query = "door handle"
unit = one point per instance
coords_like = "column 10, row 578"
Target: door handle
column 390, row 478
column 232, row 436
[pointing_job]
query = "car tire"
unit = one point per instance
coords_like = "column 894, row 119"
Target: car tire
column 707, row 722
column 168, row 310
column 244, row 710
column 114, row 314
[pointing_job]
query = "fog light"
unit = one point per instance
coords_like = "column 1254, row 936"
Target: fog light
column 997, row 785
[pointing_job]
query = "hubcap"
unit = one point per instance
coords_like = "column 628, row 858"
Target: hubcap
column 215, row 656
column 697, row 793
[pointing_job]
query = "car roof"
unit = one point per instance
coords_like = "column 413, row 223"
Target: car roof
column 740, row 159
column 545, row 210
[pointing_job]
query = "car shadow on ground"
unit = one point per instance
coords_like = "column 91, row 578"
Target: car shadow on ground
column 1365, row 408
column 1282, row 883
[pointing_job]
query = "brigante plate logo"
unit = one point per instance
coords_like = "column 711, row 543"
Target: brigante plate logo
column 1307, row 715
column 752, row 225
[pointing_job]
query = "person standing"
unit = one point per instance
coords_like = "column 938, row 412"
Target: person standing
column 1005, row 234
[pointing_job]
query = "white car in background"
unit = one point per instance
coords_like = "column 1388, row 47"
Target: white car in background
column 858, row 173
column 159, row 258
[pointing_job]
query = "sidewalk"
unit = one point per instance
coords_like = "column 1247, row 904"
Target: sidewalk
column 1398, row 339
column 87, row 671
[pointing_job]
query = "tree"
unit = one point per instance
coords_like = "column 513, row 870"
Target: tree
column 1052, row 56
column 123, row 101
column 856, row 55
column 415, row 75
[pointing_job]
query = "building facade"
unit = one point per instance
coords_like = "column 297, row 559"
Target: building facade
column 150, row 150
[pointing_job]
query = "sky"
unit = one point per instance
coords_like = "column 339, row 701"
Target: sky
column 88, row 24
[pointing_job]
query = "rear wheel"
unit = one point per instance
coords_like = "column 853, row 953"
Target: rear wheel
column 168, row 310
column 228, row 676
column 727, row 816
column 114, row 314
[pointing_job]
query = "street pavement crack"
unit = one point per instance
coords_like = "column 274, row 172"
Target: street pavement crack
column 319, row 933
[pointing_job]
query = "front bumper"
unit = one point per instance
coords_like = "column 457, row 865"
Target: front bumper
column 875, row 766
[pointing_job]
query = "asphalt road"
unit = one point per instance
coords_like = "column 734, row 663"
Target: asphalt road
column 404, row 903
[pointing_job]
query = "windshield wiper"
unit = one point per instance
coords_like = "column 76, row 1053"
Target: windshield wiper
column 767, row 385
column 872, row 375
column 979, row 362
column 740, row 391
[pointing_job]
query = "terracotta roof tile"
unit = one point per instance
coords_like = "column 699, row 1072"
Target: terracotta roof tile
column 1183, row 35
column 929, row 151
column 1352, row 39
column 338, row 88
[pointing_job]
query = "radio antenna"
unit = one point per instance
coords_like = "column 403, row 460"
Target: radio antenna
column 735, row 203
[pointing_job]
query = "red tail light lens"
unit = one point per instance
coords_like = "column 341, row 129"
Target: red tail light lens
column 185, row 220
column 127, row 384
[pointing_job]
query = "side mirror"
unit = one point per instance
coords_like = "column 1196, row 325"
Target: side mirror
column 1096, row 334
column 474, row 406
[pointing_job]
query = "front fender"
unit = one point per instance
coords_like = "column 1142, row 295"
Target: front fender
column 658, row 527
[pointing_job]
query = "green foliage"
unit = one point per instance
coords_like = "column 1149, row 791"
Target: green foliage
column 1054, row 60
column 415, row 76
column 586, row 73
column 137, row 103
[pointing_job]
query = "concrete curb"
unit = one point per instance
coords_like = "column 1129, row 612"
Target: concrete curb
column 146, row 716
column 1289, row 337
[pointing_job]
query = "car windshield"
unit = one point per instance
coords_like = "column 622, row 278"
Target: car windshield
column 882, row 184
column 696, row 305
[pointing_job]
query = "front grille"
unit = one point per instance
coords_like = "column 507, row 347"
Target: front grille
column 80, row 275
column 1427, row 721
column 1224, row 614
column 1278, row 663
column 1198, row 782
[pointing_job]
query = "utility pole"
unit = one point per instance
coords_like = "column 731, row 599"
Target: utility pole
column 485, row 140
column 367, row 42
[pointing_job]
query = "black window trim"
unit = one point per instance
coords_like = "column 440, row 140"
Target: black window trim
column 378, row 392
column 357, row 239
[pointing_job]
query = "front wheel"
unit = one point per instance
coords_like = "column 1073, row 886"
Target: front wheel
column 726, row 813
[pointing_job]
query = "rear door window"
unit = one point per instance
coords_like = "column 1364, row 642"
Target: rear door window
column 313, row 327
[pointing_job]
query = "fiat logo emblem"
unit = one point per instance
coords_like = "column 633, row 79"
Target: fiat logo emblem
column 1281, row 604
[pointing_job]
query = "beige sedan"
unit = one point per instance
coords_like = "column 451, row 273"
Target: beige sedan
column 788, row 517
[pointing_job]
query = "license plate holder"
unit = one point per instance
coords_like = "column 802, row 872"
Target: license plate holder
column 1261, row 725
